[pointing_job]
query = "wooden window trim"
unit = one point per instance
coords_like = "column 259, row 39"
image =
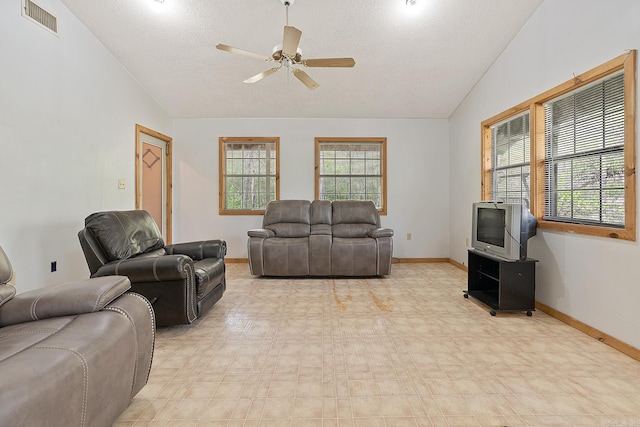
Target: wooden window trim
column 222, row 172
column 626, row 62
column 381, row 140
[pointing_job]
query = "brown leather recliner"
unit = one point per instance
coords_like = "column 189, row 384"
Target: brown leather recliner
column 73, row 354
column 182, row 281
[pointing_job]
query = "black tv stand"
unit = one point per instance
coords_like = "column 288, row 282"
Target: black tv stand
column 501, row 284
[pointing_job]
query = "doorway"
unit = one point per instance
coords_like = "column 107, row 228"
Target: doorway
column 153, row 177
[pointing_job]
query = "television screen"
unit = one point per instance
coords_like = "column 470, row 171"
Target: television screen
column 490, row 227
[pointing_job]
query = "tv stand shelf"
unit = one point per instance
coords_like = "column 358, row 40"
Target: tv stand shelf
column 501, row 284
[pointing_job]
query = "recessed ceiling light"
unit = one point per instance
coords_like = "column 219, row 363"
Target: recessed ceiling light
column 411, row 2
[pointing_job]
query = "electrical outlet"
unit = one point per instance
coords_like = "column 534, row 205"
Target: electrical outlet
column 121, row 184
column 54, row 266
column 408, row 236
column 466, row 242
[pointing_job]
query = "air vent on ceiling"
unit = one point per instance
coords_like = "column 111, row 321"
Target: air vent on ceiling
column 40, row 16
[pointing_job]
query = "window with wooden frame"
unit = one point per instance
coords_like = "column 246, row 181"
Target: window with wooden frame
column 582, row 153
column 249, row 174
column 351, row 169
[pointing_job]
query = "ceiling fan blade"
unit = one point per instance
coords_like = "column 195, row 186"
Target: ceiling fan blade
column 330, row 62
column 290, row 40
column 232, row 49
column 305, row 78
column 262, row 75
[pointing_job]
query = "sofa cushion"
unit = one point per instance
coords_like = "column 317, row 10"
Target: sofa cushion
column 355, row 212
column 352, row 230
column 209, row 273
column 124, row 234
column 290, row 229
column 286, row 257
column 353, row 257
column 287, row 211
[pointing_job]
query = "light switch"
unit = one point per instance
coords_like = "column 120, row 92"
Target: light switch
column 121, row 184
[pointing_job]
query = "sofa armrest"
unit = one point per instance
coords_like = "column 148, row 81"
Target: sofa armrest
column 199, row 250
column 149, row 269
column 261, row 232
column 381, row 232
column 84, row 296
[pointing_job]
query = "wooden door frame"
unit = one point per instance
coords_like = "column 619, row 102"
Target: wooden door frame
column 169, row 182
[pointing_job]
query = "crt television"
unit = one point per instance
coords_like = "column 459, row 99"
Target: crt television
column 502, row 229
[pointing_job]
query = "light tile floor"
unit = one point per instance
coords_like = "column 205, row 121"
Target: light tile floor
column 406, row 350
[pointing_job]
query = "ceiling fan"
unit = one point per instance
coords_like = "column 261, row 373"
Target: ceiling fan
column 289, row 55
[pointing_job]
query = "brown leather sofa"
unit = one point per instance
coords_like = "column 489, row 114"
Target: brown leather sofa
column 74, row 354
column 320, row 238
column 181, row 281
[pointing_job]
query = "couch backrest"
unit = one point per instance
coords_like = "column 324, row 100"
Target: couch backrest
column 124, row 234
column 321, row 217
column 353, row 218
column 288, row 218
column 321, row 212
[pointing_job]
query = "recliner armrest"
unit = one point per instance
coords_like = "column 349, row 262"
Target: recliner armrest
column 199, row 250
column 381, row 232
column 79, row 297
column 149, row 269
column 261, row 232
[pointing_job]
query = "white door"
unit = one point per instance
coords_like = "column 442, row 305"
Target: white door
column 153, row 178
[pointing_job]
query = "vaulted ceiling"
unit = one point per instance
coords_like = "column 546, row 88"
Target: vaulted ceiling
column 411, row 61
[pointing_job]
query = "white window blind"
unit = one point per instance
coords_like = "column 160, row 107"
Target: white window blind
column 584, row 155
column 510, row 152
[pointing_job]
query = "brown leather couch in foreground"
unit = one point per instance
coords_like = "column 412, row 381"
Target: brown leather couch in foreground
column 182, row 281
column 74, row 354
column 320, row 238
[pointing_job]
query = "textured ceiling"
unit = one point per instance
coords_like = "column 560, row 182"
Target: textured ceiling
column 411, row 62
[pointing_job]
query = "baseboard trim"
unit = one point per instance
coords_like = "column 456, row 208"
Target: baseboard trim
column 612, row 342
column 418, row 260
column 457, row 264
column 395, row 260
column 236, row 260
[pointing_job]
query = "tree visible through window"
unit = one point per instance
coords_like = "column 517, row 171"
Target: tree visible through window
column 351, row 169
column 249, row 171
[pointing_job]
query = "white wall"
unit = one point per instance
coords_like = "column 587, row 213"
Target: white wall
column 417, row 166
column 594, row 280
column 68, row 111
